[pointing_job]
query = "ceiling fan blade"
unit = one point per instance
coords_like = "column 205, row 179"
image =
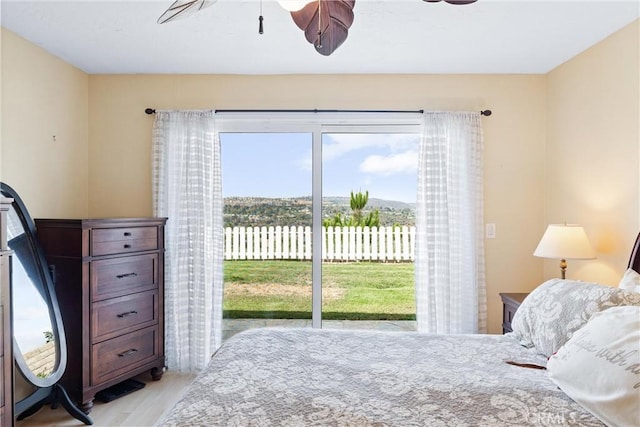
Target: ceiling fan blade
column 183, row 8
column 336, row 16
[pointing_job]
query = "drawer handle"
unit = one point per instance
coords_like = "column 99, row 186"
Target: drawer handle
column 128, row 352
column 127, row 246
column 127, row 314
column 127, row 233
column 122, row 276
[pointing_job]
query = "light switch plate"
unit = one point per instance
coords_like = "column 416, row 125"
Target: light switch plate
column 490, row 231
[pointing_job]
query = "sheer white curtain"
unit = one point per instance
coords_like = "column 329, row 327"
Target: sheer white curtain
column 187, row 189
column 450, row 279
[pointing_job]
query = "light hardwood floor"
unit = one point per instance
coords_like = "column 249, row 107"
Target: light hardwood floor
column 141, row 408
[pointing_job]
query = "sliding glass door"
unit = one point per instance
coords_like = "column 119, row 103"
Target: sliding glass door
column 319, row 221
column 368, row 214
column 267, row 219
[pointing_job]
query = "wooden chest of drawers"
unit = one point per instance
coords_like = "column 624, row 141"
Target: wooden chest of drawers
column 108, row 276
column 510, row 304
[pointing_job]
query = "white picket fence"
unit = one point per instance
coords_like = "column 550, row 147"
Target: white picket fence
column 340, row 243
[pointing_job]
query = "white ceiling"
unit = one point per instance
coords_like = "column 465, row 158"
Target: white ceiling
column 387, row 36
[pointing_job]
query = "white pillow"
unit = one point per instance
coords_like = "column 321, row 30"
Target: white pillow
column 599, row 367
column 553, row 311
column 630, row 281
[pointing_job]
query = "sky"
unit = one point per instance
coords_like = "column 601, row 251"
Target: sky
column 279, row 165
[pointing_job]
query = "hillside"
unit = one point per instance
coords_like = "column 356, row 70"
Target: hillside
column 261, row 211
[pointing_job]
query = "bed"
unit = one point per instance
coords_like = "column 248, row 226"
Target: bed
column 302, row 377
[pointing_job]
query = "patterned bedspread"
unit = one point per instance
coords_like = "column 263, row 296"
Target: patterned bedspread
column 312, row 377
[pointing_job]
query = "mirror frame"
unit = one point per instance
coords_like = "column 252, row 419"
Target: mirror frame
column 50, row 300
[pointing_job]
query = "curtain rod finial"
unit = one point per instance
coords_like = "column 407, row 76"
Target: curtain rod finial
column 149, row 111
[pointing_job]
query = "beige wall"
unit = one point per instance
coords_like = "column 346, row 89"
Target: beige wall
column 120, row 132
column 43, row 97
column 592, row 162
column 99, row 120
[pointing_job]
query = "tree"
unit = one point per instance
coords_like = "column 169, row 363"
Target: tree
column 358, row 219
column 358, row 202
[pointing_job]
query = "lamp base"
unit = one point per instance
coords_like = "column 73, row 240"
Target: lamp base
column 563, row 268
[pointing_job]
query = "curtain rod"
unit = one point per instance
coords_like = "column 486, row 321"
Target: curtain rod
column 482, row 113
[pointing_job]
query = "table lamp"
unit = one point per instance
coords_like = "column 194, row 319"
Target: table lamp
column 563, row 242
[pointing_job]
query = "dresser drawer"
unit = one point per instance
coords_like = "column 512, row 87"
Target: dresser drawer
column 118, row 276
column 116, row 315
column 119, row 355
column 108, row 241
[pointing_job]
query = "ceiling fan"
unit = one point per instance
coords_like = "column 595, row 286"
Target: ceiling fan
column 325, row 23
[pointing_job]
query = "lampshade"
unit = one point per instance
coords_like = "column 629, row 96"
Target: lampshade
column 565, row 241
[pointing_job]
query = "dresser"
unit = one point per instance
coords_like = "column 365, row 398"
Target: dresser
column 510, row 304
column 6, row 339
column 108, row 276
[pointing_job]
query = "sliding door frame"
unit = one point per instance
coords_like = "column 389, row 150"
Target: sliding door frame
column 318, row 124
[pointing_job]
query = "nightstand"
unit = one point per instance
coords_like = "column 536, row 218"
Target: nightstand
column 510, row 303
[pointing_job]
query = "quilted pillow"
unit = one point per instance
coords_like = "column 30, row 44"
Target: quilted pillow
column 550, row 314
column 599, row 367
column 630, row 281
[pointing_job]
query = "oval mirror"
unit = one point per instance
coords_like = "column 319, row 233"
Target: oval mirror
column 39, row 342
column 36, row 345
column 37, row 327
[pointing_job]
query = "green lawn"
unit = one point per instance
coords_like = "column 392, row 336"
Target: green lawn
column 282, row 290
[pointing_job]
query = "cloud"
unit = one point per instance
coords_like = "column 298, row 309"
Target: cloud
column 338, row 144
column 406, row 162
